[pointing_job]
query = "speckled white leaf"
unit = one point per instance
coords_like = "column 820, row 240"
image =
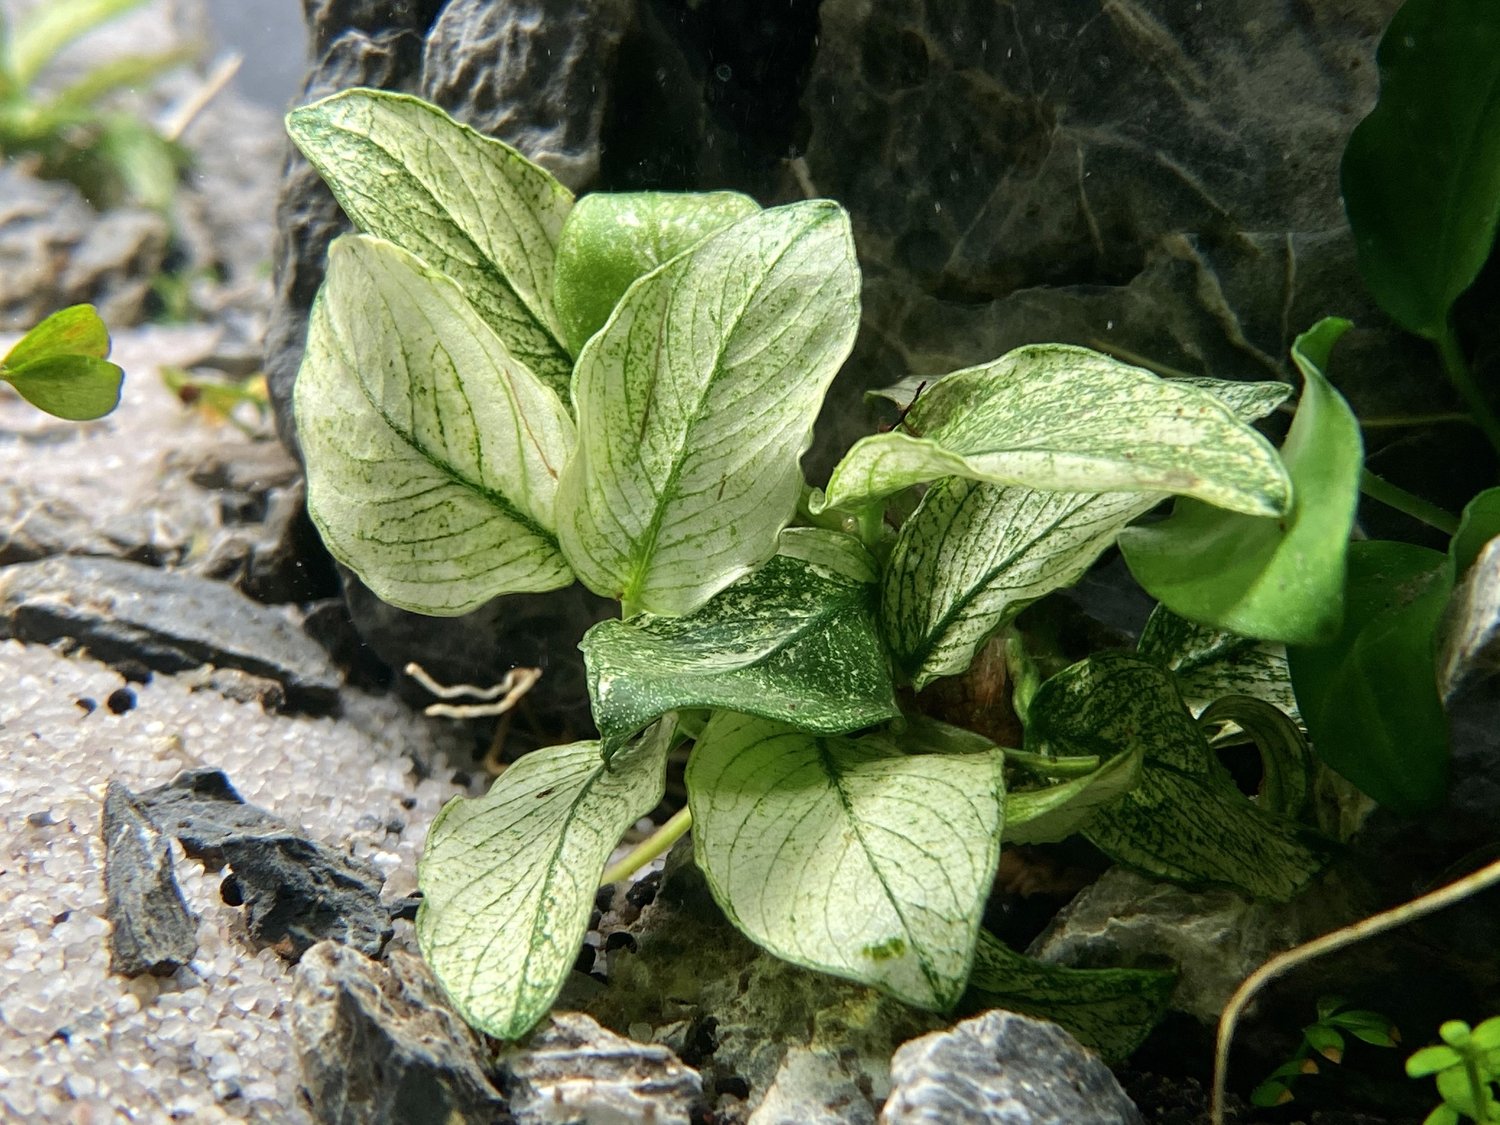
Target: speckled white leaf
column 795, row 641
column 508, row 879
column 695, row 402
column 466, row 204
column 432, row 454
column 1055, row 812
column 973, row 555
column 868, row 858
column 1210, row 663
column 1060, row 417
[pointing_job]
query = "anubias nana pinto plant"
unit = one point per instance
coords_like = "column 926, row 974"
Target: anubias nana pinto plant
column 506, row 389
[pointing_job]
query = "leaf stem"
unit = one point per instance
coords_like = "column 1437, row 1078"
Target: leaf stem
column 1457, row 370
column 649, row 848
column 1393, row 496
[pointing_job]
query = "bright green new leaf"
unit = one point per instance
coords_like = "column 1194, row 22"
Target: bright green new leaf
column 466, row 204
column 1110, row 1010
column 869, row 858
column 611, row 239
column 432, row 454
column 75, row 387
column 1276, row 579
column 1053, row 813
column 1210, row 663
column 795, row 641
column 47, row 28
column 973, row 555
column 1060, row 417
column 508, row 879
column 1370, row 697
column 1480, row 524
column 76, row 330
column 1186, row 820
column 1421, row 173
column 695, row 402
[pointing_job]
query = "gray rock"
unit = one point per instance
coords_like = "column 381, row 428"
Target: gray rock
column 1001, row 1068
column 132, row 615
column 574, row 1072
column 378, row 1044
column 1469, row 648
column 813, row 1087
column 56, row 250
column 153, row 930
column 296, row 892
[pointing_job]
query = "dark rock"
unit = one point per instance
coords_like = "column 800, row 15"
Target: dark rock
column 1002, row 1068
column 167, row 621
column 153, row 930
column 296, row 891
column 378, row 1044
column 120, row 700
column 573, row 1070
column 56, row 250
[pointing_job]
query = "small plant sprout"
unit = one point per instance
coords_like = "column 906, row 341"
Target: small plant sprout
column 1465, row 1066
column 1324, row 1039
column 60, row 366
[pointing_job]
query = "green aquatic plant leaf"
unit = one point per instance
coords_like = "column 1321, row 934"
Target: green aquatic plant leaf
column 76, row 330
column 610, row 239
column 869, row 858
column 60, row 366
column 1109, row 1010
column 1480, row 523
column 1370, row 695
column 1279, row 578
column 468, row 205
column 795, row 641
column 508, row 879
column 46, row 29
column 697, row 399
column 432, row 453
column 1421, row 174
column 1053, row 813
column 1060, row 417
column 1186, row 820
column 974, row 555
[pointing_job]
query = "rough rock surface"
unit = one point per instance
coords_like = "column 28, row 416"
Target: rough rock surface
column 1001, row 1068
column 378, row 1044
column 574, row 1070
column 139, row 617
column 152, row 929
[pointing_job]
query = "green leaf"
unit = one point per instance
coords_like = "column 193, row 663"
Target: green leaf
column 1210, row 663
column 867, row 858
column 1110, row 1010
column 75, row 387
column 1275, row 579
column 1186, row 821
column 119, row 74
column 1286, row 761
column 609, row 240
column 1421, row 173
column 795, row 641
column 1326, row 1041
column 1442, row 1115
column 1051, row 814
column 432, row 453
column 76, row 330
column 696, row 400
column 1060, row 417
column 1480, row 524
column 468, row 205
column 1486, row 1037
column 1369, row 697
column 1270, row 1094
column 47, row 28
column 508, row 879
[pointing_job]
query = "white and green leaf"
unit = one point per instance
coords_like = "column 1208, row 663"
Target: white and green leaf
column 508, row 879
column 795, row 641
column 1210, row 663
column 869, row 858
column 468, row 205
column 1066, row 418
column 1055, row 812
column 432, row 453
column 695, row 402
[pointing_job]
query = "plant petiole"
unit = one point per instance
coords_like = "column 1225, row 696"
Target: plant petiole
column 648, row 849
column 1457, row 370
column 1393, row 496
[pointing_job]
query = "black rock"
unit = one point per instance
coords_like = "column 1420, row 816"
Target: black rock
column 153, row 930
column 296, row 891
column 131, row 615
column 379, row 1045
column 1002, row 1068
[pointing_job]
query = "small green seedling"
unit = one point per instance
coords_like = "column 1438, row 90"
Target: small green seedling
column 60, row 366
column 1466, row 1066
column 1324, row 1039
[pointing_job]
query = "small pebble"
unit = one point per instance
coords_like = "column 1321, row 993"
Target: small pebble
column 121, row 700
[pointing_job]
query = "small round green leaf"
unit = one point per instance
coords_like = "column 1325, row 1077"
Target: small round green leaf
column 76, row 330
column 75, row 387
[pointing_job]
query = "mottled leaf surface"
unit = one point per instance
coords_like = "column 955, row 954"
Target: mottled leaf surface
column 1054, row 812
column 1110, row 1010
column 466, row 204
column 432, row 454
column 508, row 879
column 1210, row 663
column 695, row 402
column 795, row 641
column 868, row 858
column 1061, row 417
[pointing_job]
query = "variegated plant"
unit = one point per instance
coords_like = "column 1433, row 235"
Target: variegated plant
column 506, row 390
